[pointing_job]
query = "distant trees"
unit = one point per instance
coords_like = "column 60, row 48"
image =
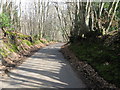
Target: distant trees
column 59, row 21
column 38, row 19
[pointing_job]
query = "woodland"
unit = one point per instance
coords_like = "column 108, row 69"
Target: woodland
column 92, row 30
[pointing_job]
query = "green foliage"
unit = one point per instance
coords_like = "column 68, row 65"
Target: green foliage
column 11, row 33
column 11, row 29
column 12, row 47
column 36, row 37
column 3, row 52
column 4, row 20
column 23, row 36
column 102, row 58
column 107, row 5
column 110, row 72
column 47, row 38
column 43, row 41
column 27, row 42
column 37, row 41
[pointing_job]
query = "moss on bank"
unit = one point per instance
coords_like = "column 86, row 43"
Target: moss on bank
column 16, row 45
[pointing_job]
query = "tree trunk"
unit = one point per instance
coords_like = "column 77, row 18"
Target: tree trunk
column 4, row 32
column 116, row 5
column 1, row 6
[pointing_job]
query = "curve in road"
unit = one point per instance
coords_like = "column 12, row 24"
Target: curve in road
column 47, row 68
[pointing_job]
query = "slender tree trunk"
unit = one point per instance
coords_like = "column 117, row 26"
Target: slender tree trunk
column 88, row 9
column 1, row 6
column 111, row 8
column 116, row 5
column 4, row 32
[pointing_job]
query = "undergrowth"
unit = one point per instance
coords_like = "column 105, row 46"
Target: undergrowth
column 27, row 42
column 14, row 43
column 104, row 59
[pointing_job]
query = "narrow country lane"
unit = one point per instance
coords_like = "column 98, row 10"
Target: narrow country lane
column 47, row 68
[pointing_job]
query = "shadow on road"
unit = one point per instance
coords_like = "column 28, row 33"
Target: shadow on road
column 45, row 69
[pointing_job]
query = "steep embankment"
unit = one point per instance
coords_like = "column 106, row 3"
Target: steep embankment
column 17, row 46
column 98, row 60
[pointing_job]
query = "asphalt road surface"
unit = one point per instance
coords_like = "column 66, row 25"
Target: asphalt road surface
column 47, row 68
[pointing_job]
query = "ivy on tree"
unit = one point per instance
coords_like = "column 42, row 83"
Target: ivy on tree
column 4, row 22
